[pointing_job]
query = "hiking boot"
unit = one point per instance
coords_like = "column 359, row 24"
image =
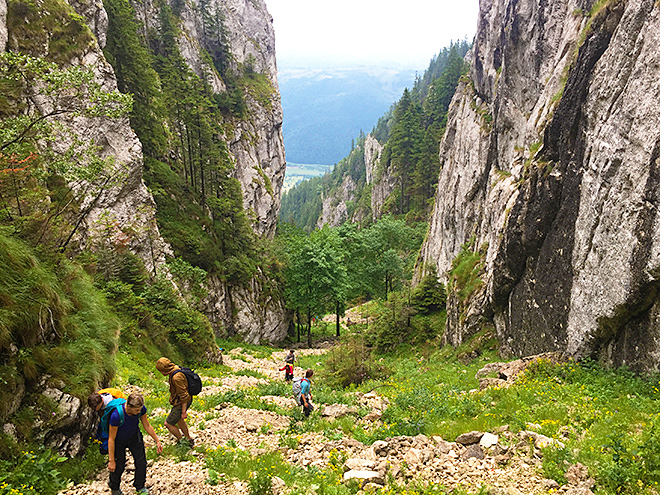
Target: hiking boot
column 143, row 491
column 191, row 442
column 117, row 492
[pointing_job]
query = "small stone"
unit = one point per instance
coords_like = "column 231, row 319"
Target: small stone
column 372, row 476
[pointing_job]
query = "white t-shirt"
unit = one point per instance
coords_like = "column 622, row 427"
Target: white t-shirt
column 106, row 399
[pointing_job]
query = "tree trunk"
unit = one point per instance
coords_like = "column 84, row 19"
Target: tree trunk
column 337, row 315
column 309, row 329
column 298, row 325
column 229, row 308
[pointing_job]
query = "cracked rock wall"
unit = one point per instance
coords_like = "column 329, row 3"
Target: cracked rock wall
column 550, row 163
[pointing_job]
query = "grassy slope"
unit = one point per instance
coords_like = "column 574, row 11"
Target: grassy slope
column 606, row 419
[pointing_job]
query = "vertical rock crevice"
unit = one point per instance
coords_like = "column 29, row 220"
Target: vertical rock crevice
column 569, row 210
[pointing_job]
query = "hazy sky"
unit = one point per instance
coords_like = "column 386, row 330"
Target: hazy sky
column 402, row 33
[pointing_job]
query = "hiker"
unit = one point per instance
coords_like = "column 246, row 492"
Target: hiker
column 180, row 399
column 305, row 393
column 124, row 433
column 290, row 358
column 99, row 400
column 288, row 372
column 104, row 402
column 288, row 367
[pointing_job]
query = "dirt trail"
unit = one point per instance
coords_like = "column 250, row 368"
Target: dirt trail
column 432, row 460
column 244, row 426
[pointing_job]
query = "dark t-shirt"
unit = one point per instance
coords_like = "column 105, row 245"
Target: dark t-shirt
column 131, row 423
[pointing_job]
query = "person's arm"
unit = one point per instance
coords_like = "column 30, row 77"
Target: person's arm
column 152, row 433
column 112, row 435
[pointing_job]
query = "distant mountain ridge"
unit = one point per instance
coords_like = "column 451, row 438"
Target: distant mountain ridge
column 394, row 168
column 324, row 109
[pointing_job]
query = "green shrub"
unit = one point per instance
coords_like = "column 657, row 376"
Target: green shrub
column 35, row 472
column 260, row 483
column 391, row 327
column 352, row 363
column 555, row 463
column 465, row 270
column 429, row 295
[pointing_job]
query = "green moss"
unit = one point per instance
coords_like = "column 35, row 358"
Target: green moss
column 50, row 29
column 464, row 278
column 259, row 87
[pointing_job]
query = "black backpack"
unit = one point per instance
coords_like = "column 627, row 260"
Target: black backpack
column 194, row 381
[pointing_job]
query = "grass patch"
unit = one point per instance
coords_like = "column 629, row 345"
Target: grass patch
column 50, row 29
column 258, row 471
column 465, row 270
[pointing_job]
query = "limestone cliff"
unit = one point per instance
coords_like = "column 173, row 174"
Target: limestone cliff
column 550, row 167
column 124, row 210
column 253, row 138
column 256, row 142
column 337, row 201
column 3, row 24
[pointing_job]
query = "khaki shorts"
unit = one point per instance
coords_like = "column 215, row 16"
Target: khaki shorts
column 175, row 414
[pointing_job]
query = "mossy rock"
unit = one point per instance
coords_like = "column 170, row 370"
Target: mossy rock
column 48, row 28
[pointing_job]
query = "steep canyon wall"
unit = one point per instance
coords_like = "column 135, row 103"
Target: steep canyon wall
column 255, row 145
column 125, row 209
column 550, row 167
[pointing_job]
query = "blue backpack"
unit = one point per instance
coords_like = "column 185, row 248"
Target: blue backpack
column 102, row 433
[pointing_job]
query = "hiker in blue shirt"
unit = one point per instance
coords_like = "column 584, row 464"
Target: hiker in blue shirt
column 125, row 434
column 305, row 392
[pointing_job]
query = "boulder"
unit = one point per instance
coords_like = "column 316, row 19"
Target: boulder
column 489, row 368
column 578, row 475
column 373, row 416
column 337, row 411
column 380, row 447
column 485, row 383
column 413, row 457
column 356, row 464
column 469, row 438
column 68, row 407
column 488, row 440
column 473, row 451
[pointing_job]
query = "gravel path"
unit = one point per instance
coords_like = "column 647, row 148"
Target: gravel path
column 431, row 460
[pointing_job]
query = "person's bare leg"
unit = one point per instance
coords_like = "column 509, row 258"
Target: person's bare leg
column 174, row 430
column 184, row 428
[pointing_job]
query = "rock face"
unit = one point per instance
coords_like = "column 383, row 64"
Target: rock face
column 123, row 210
column 3, row 24
column 248, row 312
column 336, row 205
column 383, row 181
column 550, row 164
column 256, row 143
